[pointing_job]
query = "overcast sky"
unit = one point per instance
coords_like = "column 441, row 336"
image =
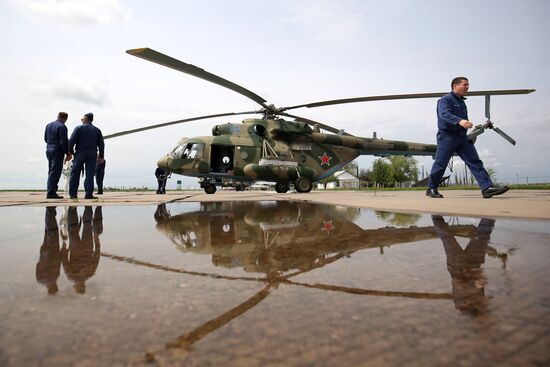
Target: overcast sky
column 69, row 55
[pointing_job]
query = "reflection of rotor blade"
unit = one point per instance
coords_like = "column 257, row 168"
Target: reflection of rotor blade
column 504, row 135
column 313, row 123
column 406, row 96
column 373, row 292
column 156, row 57
column 185, row 340
column 114, row 135
column 133, row 261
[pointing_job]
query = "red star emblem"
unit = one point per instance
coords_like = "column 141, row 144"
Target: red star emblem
column 325, row 159
column 327, row 226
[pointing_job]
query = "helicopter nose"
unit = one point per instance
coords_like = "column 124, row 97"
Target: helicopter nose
column 163, row 162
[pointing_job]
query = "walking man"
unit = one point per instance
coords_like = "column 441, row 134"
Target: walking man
column 57, row 147
column 453, row 124
column 87, row 143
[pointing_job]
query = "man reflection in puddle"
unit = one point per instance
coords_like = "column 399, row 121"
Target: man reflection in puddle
column 49, row 263
column 81, row 259
column 161, row 213
column 465, row 265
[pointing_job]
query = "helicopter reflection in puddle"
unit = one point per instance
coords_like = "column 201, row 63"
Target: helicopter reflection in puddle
column 277, row 238
column 285, row 239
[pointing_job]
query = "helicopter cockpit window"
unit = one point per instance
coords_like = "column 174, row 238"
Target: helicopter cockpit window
column 187, row 151
column 195, row 150
column 177, row 151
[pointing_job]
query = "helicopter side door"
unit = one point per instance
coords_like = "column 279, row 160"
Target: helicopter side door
column 222, row 159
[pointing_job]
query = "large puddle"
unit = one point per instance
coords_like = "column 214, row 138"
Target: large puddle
column 270, row 284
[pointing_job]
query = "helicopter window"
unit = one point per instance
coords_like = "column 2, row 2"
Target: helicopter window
column 187, row 151
column 195, row 151
column 259, row 130
column 177, row 151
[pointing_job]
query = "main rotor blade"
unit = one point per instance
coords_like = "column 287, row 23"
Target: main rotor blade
column 162, row 59
column 313, row 123
column 406, row 96
column 114, row 135
column 504, row 135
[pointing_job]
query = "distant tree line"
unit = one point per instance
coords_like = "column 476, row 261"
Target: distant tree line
column 392, row 171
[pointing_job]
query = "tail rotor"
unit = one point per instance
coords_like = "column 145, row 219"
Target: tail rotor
column 480, row 129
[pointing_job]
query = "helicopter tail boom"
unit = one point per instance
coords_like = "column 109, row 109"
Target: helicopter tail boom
column 374, row 146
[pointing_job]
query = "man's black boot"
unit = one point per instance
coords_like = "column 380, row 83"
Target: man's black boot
column 433, row 193
column 494, row 190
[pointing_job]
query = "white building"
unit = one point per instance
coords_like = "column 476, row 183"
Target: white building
column 344, row 180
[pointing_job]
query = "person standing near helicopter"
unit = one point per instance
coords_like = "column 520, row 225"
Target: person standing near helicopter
column 162, row 176
column 453, row 124
column 87, row 140
column 57, row 147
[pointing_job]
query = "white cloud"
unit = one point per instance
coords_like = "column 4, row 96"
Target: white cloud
column 74, row 12
column 327, row 20
column 489, row 158
column 67, row 86
column 34, row 160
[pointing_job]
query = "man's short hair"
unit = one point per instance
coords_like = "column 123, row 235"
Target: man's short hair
column 458, row 80
column 62, row 115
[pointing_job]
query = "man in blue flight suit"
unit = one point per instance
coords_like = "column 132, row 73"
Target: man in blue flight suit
column 57, row 146
column 88, row 140
column 162, row 176
column 452, row 124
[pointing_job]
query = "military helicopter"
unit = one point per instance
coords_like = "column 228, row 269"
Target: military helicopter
column 273, row 149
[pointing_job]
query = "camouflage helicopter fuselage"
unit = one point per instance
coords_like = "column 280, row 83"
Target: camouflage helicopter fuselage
column 274, row 150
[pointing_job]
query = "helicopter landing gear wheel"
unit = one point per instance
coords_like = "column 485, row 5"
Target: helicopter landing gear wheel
column 281, row 187
column 302, row 184
column 210, row 188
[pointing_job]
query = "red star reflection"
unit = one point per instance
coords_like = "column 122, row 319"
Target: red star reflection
column 327, row 226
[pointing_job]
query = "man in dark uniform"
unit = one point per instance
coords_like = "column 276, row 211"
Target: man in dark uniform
column 57, row 146
column 99, row 174
column 162, row 176
column 88, row 140
column 452, row 124
column 81, row 259
column 49, row 263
